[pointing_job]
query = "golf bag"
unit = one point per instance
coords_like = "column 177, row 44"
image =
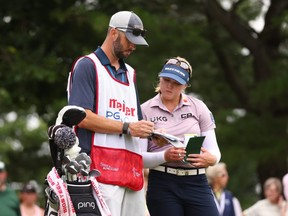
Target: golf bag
column 73, row 198
column 71, row 187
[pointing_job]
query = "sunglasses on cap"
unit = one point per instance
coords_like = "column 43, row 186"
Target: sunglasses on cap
column 180, row 63
column 135, row 31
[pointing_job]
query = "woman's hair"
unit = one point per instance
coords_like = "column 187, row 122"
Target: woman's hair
column 273, row 181
column 213, row 171
column 180, row 59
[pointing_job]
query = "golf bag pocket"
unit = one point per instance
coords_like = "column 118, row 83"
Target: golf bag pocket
column 82, row 198
column 118, row 167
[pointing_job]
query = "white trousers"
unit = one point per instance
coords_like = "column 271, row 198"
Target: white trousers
column 124, row 201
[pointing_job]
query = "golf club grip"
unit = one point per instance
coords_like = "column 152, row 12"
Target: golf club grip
column 53, row 151
column 59, row 158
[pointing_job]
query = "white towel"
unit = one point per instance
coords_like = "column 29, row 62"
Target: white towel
column 66, row 207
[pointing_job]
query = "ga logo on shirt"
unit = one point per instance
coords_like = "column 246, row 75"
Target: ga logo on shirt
column 186, row 115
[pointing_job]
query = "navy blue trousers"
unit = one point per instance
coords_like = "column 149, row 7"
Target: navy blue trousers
column 171, row 195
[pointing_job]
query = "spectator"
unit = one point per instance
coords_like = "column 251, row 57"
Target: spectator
column 273, row 203
column 285, row 186
column 9, row 202
column 285, row 191
column 28, row 200
column 218, row 178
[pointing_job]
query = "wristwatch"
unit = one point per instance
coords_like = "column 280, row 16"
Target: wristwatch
column 125, row 128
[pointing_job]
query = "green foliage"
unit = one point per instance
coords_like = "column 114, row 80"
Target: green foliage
column 241, row 75
column 250, row 10
column 23, row 145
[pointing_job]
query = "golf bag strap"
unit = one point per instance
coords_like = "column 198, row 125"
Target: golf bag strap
column 66, row 206
column 103, row 207
column 59, row 187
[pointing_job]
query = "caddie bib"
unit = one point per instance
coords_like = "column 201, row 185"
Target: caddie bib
column 116, row 156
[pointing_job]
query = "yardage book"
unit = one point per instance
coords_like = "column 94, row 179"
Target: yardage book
column 194, row 145
column 175, row 141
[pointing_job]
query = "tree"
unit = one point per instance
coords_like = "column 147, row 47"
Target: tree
column 258, row 80
column 239, row 72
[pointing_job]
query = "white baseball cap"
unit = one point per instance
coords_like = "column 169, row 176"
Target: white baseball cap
column 131, row 24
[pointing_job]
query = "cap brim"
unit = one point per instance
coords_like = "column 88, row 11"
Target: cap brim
column 138, row 40
column 174, row 77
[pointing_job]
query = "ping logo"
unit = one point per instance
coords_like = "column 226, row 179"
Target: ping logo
column 86, row 205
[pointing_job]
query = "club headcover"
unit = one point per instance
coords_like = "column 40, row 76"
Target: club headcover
column 70, row 115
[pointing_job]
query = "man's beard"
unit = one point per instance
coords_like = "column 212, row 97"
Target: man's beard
column 118, row 49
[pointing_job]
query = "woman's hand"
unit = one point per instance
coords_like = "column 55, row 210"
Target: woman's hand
column 174, row 154
column 202, row 160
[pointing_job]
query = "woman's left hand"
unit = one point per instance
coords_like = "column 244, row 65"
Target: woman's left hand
column 202, row 160
column 174, row 154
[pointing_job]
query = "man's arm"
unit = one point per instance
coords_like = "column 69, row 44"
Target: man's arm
column 101, row 124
